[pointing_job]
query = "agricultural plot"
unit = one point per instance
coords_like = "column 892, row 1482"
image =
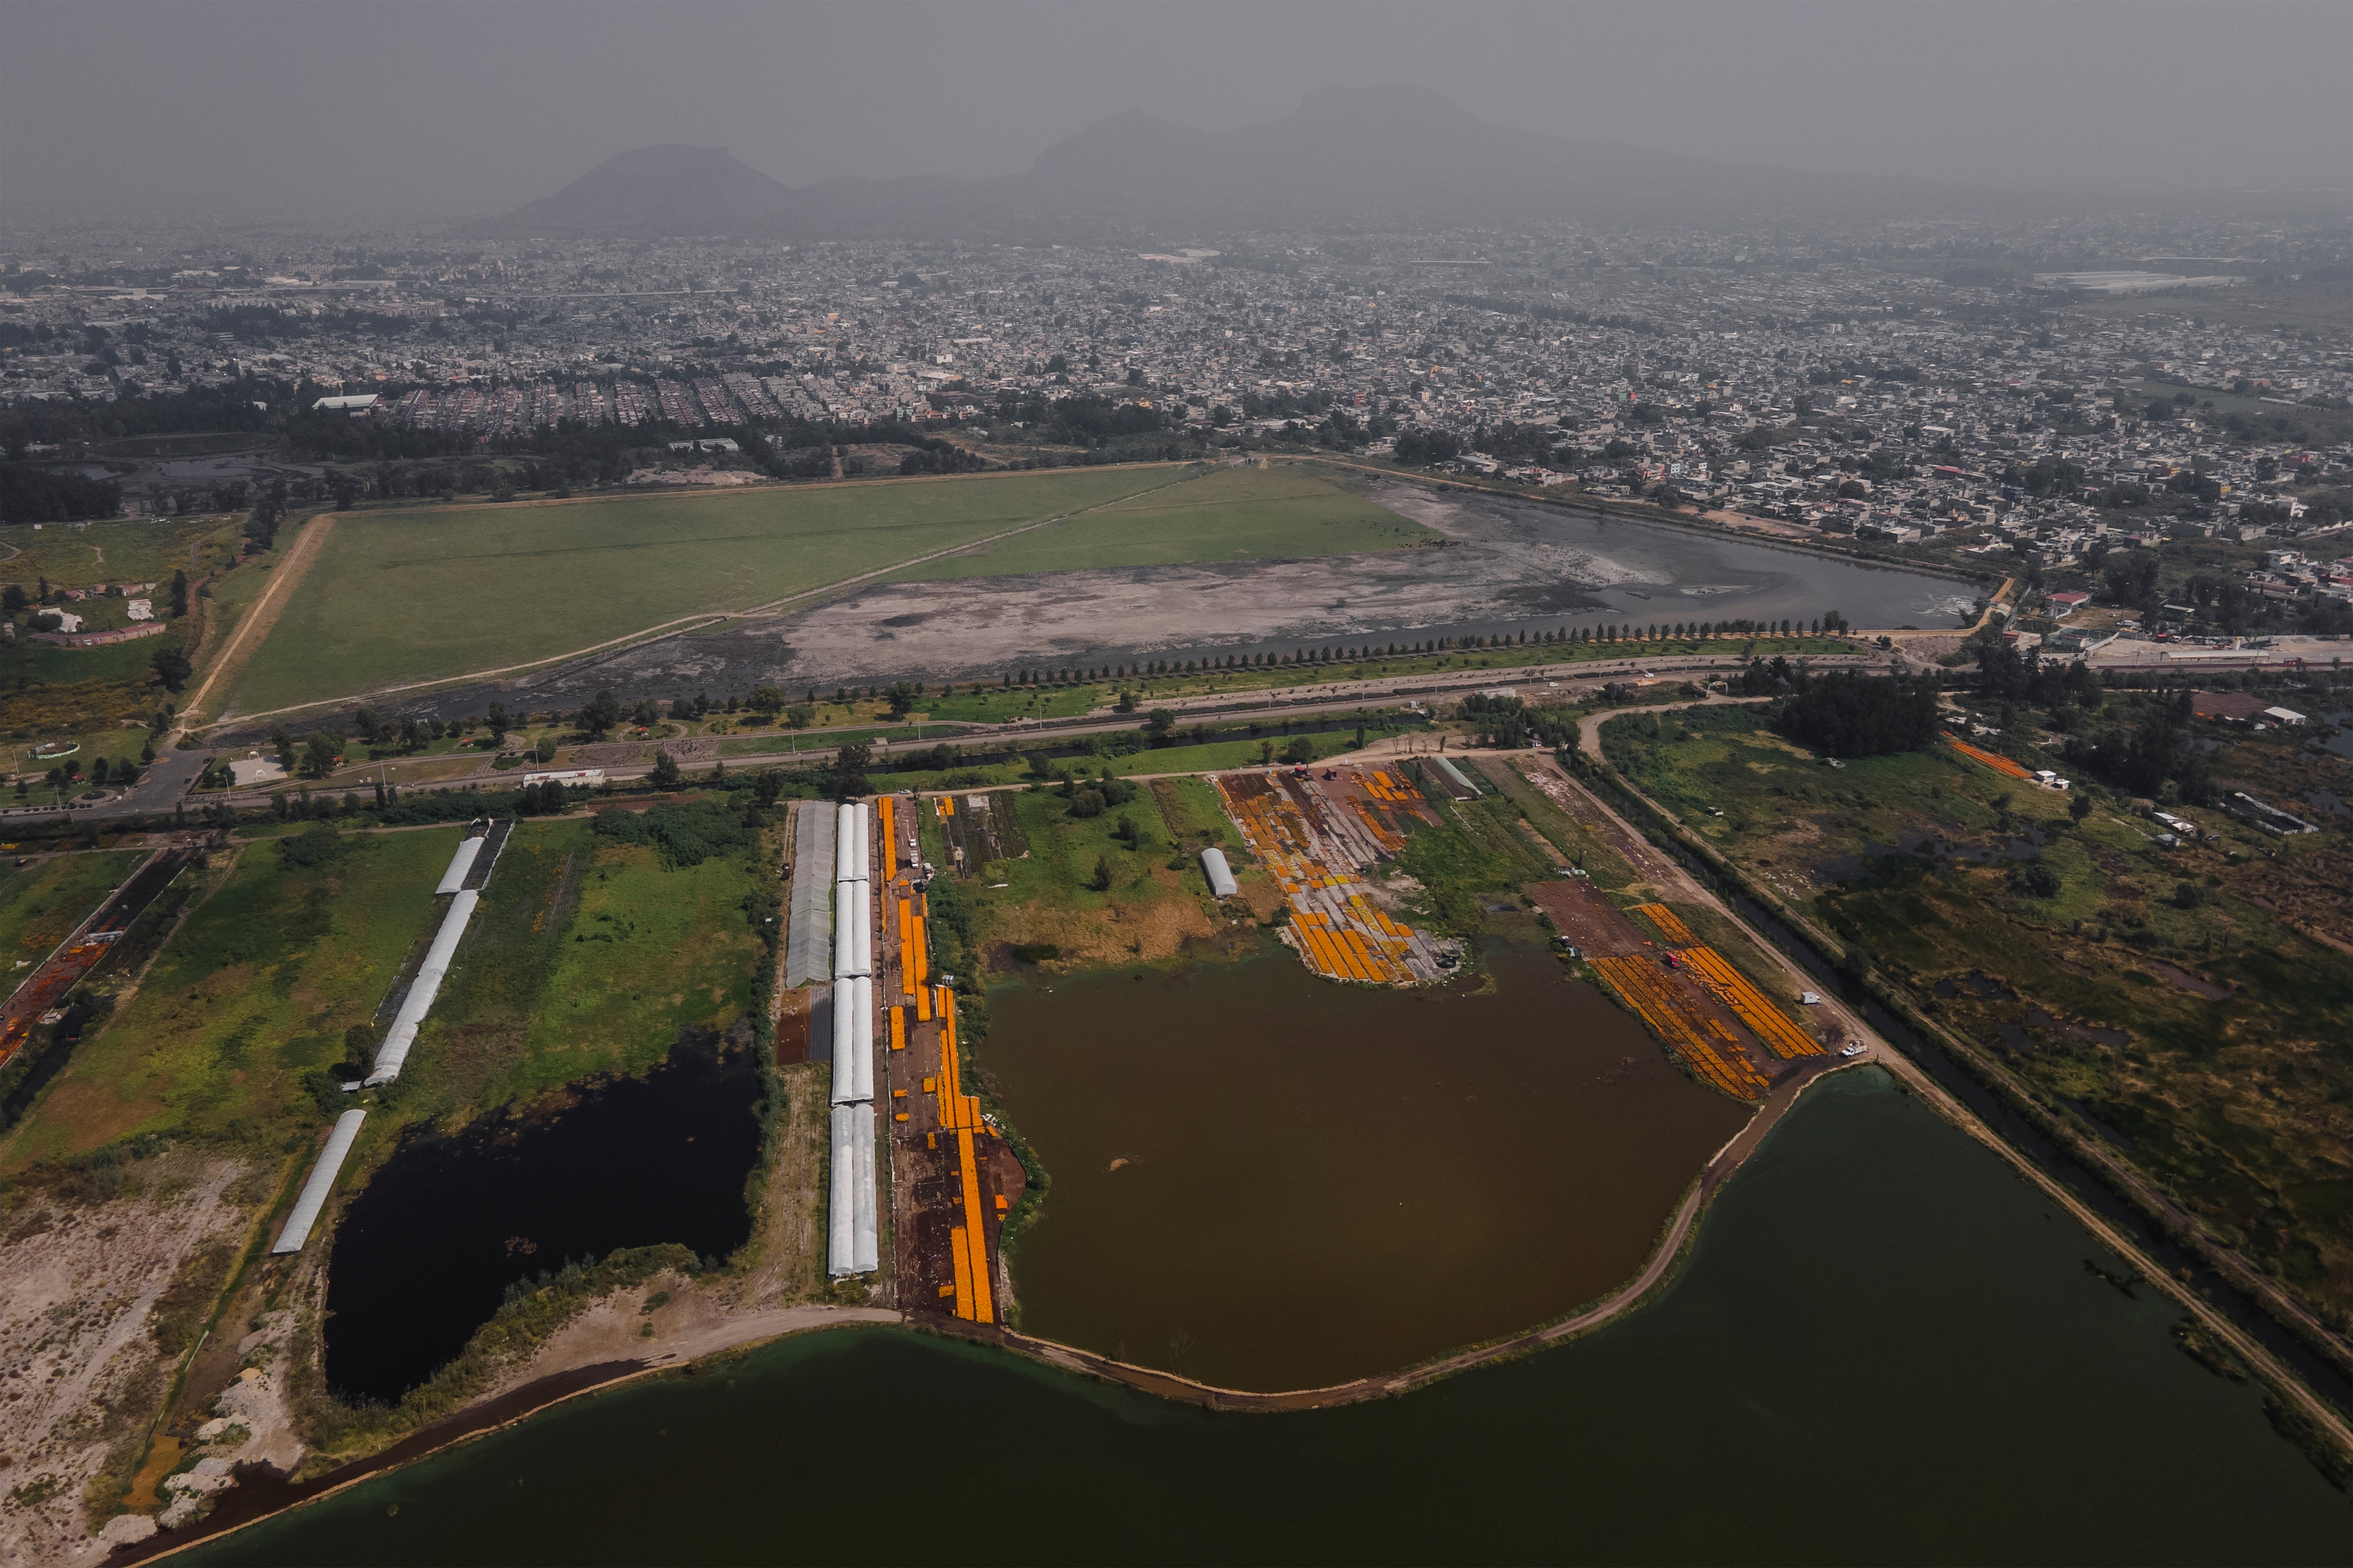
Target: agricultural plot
column 1695, row 1002
column 1085, row 894
column 422, row 594
column 1318, row 839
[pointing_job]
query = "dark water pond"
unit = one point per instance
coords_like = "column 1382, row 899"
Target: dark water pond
column 425, row 1254
column 1267, row 1181
column 1885, row 1348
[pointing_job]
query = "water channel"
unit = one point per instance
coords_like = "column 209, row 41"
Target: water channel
column 1268, row 1181
column 1885, row 1347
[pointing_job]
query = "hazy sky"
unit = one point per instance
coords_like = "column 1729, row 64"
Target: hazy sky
column 413, row 112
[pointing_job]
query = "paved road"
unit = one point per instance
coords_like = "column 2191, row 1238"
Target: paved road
column 1322, row 699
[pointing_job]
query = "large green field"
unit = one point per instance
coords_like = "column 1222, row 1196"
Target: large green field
column 1230, row 514
column 399, row 596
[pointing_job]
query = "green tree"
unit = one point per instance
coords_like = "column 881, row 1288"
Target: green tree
column 601, row 713
column 179, row 593
column 647, row 714
column 171, row 666
column 901, row 698
column 495, row 721
column 666, row 773
column 767, row 702
column 849, row 776
column 1300, row 752
column 319, row 755
column 1100, row 880
column 545, row 750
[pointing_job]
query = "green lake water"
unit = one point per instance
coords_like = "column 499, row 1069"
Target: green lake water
column 1885, row 1348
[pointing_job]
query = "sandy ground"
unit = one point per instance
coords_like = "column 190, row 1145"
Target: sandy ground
column 79, row 1373
column 696, row 1320
column 692, row 477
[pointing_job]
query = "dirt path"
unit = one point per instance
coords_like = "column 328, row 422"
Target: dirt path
column 670, row 629
column 263, row 616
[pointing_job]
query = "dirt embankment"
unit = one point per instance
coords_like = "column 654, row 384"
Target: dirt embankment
column 255, row 624
column 107, row 1278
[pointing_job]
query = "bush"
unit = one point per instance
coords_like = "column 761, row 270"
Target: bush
column 685, row 834
column 314, row 845
column 2039, row 878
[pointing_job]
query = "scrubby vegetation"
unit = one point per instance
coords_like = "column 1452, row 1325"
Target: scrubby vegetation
column 2186, row 1005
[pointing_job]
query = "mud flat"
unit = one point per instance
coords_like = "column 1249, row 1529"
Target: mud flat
column 1507, row 567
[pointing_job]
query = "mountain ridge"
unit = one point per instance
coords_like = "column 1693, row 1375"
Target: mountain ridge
column 1359, row 157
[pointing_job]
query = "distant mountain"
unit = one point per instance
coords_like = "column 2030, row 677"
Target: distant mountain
column 1360, row 157
column 657, row 191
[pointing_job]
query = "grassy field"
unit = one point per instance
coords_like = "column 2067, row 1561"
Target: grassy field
column 417, row 595
column 1479, row 853
column 1155, row 910
column 1227, row 514
column 586, row 957
column 144, row 550
column 2276, row 421
column 46, row 664
column 254, row 992
column 1563, row 832
column 2102, row 990
column 40, row 904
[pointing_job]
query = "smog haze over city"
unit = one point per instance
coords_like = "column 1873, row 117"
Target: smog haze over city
column 1098, row 783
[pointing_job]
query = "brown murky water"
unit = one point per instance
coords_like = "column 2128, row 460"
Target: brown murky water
column 1267, row 1181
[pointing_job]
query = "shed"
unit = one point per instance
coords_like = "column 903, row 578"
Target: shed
column 1220, row 875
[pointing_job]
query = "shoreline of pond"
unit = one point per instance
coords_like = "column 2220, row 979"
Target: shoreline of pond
column 268, row 1495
